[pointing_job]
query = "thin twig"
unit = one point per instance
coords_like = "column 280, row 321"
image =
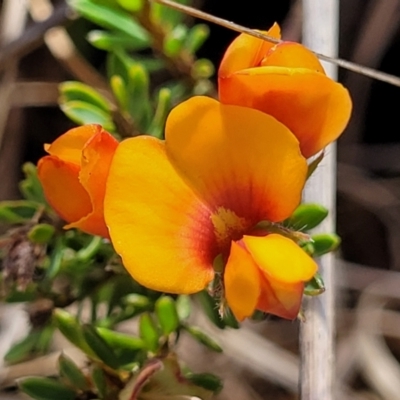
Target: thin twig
column 360, row 69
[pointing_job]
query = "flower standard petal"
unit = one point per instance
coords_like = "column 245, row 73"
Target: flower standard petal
column 157, row 224
column 96, row 157
column 280, row 258
column 314, row 107
column 241, row 282
column 236, row 158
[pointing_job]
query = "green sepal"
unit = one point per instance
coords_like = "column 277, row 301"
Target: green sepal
column 46, row 389
column 174, row 40
column 210, row 307
column 196, row 37
column 30, row 187
column 17, row 211
column 85, row 113
column 78, row 91
column 315, row 286
column 156, row 127
column 118, row 88
column 324, row 243
column 307, row 216
column 202, row 69
column 112, row 18
column 148, row 332
column 314, row 164
column 183, row 307
column 72, row 373
column 72, row 330
column 202, row 338
column 41, row 233
column 167, row 314
column 207, row 381
column 100, row 347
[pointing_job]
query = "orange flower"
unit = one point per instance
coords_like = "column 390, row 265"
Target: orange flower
column 74, row 176
column 288, row 82
column 174, row 207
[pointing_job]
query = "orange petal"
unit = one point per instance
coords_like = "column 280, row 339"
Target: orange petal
column 246, row 51
column 292, row 55
column 242, row 282
column 62, row 188
column 68, row 147
column 162, row 231
column 314, row 107
column 236, row 158
column 97, row 155
column 281, row 299
column 280, row 258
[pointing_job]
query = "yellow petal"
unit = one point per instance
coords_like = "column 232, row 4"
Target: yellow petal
column 247, row 51
column 314, row 107
column 236, row 158
column 280, row 258
column 96, row 157
column 62, row 189
column 242, row 282
column 162, row 231
column 68, row 147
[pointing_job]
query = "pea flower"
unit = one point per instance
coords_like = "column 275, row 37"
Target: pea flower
column 175, row 207
column 74, row 176
column 288, row 82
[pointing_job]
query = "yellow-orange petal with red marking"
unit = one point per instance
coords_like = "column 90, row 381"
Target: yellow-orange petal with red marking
column 157, row 224
column 292, row 55
column 236, row 158
column 247, row 51
column 280, row 299
column 97, row 154
column 314, row 107
column 60, row 182
column 241, row 282
column 68, row 147
column 280, row 258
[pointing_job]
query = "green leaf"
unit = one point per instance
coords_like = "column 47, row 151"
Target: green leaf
column 149, row 332
column 131, row 5
column 109, row 41
column 324, row 243
column 174, row 40
column 17, row 211
column 100, row 381
column 167, row 314
column 157, row 125
column 72, row 373
column 206, row 381
column 307, row 216
column 118, row 86
column 84, row 113
column 72, row 91
column 41, row 233
column 56, row 258
column 196, row 37
column 203, row 69
column 315, row 286
column 111, row 18
column 100, row 347
column 183, row 306
column 23, row 349
column 46, row 389
column 72, row 330
column 166, row 16
column 30, row 187
column 203, row 338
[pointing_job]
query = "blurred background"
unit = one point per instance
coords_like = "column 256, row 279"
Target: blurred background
column 260, row 360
